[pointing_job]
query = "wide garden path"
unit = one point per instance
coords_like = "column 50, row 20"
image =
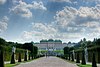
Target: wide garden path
column 47, row 62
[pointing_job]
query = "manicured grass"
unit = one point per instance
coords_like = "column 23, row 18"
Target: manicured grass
column 11, row 65
column 17, row 63
column 87, row 65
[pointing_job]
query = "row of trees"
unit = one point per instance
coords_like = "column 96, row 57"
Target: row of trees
column 33, row 50
column 68, row 55
column 26, row 46
column 83, row 44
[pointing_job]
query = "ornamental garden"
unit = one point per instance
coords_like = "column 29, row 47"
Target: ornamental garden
column 81, row 53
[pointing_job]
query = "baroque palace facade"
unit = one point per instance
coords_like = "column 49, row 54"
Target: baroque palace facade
column 50, row 45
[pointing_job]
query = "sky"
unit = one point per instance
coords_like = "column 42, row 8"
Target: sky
column 33, row 20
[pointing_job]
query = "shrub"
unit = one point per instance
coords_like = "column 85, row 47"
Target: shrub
column 19, row 58
column 25, row 58
column 77, row 58
column 69, row 56
column 72, row 57
column 94, row 61
column 12, row 59
column 1, row 57
column 29, row 57
column 83, row 59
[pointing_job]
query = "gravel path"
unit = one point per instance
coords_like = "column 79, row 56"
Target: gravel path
column 47, row 62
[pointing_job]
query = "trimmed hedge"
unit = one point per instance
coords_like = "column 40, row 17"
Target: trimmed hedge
column 95, row 49
column 8, row 53
column 1, row 57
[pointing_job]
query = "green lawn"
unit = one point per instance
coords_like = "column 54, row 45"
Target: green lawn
column 11, row 65
column 17, row 63
column 87, row 65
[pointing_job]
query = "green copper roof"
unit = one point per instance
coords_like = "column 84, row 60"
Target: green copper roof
column 43, row 41
column 58, row 41
column 50, row 40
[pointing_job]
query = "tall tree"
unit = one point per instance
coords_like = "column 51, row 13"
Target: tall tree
column 2, row 41
column 77, row 58
column 94, row 61
column 66, row 52
column 12, row 59
column 1, row 57
column 35, row 51
column 19, row 58
column 25, row 57
column 72, row 57
column 83, row 58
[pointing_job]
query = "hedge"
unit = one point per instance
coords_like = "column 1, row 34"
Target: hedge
column 95, row 49
column 8, row 53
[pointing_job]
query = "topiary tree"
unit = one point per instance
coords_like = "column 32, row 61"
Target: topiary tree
column 25, row 57
column 94, row 61
column 77, row 58
column 66, row 52
column 29, row 56
column 32, row 56
column 72, row 57
column 83, row 58
column 12, row 59
column 69, row 56
column 35, row 51
column 1, row 57
column 19, row 58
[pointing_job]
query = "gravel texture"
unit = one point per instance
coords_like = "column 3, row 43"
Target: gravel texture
column 47, row 62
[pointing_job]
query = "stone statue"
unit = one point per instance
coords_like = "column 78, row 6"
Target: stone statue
column 86, row 54
column 13, row 49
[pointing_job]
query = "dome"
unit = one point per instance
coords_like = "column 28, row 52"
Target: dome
column 50, row 40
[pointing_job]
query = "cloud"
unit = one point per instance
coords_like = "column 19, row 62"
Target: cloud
column 70, row 24
column 26, row 35
column 38, row 5
column 84, row 20
column 39, row 31
column 45, row 31
column 93, row 12
column 60, row 0
column 65, row 16
column 3, row 1
column 3, row 23
column 43, row 28
column 24, row 9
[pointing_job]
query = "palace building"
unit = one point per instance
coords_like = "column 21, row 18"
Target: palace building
column 50, row 45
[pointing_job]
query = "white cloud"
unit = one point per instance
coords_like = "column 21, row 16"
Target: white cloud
column 27, row 35
column 82, row 21
column 43, row 28
column 93, row 12
column 65, row 16
column 61, row 0
column 70, row 24
column 3, row 23
column 24, row 9
column 44, row 31
column 38, row 5
column 2, row 1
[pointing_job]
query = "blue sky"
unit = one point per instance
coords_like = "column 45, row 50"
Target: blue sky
column 33, row 20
